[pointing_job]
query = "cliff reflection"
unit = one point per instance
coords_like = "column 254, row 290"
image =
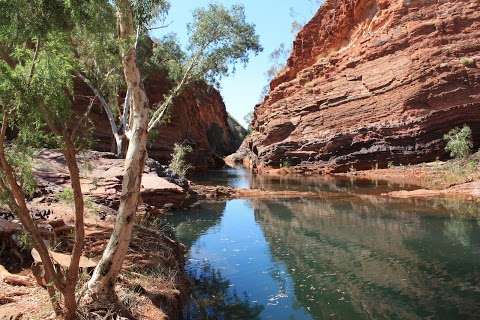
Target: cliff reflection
column 371, row 257
column 324, row 183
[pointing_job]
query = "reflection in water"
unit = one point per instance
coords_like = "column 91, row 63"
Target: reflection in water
column 189, row 227
column 240, row 178
column 353, row 257
column 237, row 178
column 353, row 262
column 211, row 298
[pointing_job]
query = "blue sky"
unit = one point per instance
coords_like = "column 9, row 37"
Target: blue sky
column 272, row 18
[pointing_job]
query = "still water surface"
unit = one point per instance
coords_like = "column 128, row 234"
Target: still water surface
column 354, row 256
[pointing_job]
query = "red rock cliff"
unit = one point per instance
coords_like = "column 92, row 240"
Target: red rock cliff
column 198, row 118
column 371, row 82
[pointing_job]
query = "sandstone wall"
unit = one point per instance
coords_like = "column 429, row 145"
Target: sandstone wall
column 372, row 82
column 198, row 118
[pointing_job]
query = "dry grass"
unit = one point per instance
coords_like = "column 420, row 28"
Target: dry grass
column 436, row 175
column 151, row 285
column 442, row 175
column 24, row 302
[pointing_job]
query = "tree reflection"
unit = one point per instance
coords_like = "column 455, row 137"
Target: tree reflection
column 190, row 225
column 212, row 298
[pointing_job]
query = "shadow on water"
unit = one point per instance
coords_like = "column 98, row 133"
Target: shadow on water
column 213, row 299
column 191, row 225
column 358, row 256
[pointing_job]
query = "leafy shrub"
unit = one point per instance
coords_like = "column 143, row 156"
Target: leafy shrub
column 66, row 195
column 285, row 164
column 178, row 164
column 467, row 62
column 20, row 158
column 26, row 241
column 459, row 142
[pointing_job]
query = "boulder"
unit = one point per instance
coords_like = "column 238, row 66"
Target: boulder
column 102, row 180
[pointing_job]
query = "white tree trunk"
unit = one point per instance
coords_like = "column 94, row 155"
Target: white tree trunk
column 102, row 282
column 108, row 111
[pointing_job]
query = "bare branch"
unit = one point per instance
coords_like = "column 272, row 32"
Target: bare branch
column 104, row 104
column 126, row 110
column 83, row 117
column 72, row 273
column 160, row 27
column 34, row 61
column 107, row 75
column 137, row 37
column 4, row 127
column 160, row 112
column 49, row 118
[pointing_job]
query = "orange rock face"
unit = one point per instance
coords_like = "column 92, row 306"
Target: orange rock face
column 372, row 82
column 198, row 117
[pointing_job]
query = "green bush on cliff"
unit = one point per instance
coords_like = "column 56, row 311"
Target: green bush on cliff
column 285, row 164
column 459, row 142
column 178, row 164
column 467, row 62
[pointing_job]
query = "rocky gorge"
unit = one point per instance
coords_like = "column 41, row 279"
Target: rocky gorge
column 371, row 83
column 349, row 206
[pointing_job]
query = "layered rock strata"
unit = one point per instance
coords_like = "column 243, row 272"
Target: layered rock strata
column 371, row 83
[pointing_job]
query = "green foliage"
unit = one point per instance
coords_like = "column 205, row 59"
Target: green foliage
column 285, row 164
column 38, row 62
column 98, row 52
column 219, row 37
column 467, row 62
column 248, row 118
column 278, row 58
column 20, row 158
column 178, row 164
column 164, row 56
column 66, row 195
column 213, row 296
column 91, row 206
column 99, row 59
column 147, row 12
column 53, row 80
column 459, row 142
column 26, row 241
column 20, row 20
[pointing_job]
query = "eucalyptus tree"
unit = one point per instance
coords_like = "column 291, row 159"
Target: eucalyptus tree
column 37, row 68
column 219, row 38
